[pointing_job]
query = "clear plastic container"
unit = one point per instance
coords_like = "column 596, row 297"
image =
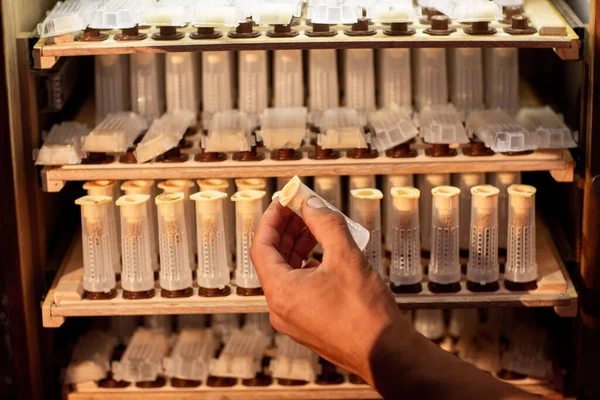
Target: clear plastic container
column 281, row 181
column 63, row 145
column 465, row 66
column 119, row 14
column 392, row 126
column 390, row 181
column 478, row 11
column 279, row 13
column 288, row 79
column 230, row 131
column 394, row 77
column 430, row 77
column 442, row 124
column 359, row 79
column 111, row 84
column 500, row 132
column 115, row 134
column 225, row 186
column 241, row 357
column 430, row 323
column 550, row 127
column 217, row 83
column 404, row 237
column 146, row 187
column 147, row 85
column 251, row 184
column 444, row 267
column 214, row 258
column 248, row 211
column 191, row 355
column 185, row 187
column 253, row 83
column 502, row 180
column 164, row 134
column 65, row 18
column 224, row 325
column 139, row 258
column 283, row 128
column 183, row 82
column 91, row 357
column 110, row 189
column 528, row 352
column 332, row 12
column 323, row 83
column 425, row 184
column 123, row 327
column 294, row 361
column 342, row 128
column 259, row 322
column 175, row 263
column 330, row 189
column 217, row 15
column 483, row 266
column 388, row 12
column 98, row 247
column 501, row 66
column 167, row 13
column 160, row 323
column 295, row 193
column 359, row 182
column 142, row 360
column 366, row 210
column 521, row 264
column 191, row 321
column 465, row 182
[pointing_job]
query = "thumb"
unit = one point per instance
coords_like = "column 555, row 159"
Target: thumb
column 328, row 227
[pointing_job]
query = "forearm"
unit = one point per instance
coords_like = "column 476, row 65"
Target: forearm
column 407, row 365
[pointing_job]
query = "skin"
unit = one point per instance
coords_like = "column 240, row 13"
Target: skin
column 342, row 310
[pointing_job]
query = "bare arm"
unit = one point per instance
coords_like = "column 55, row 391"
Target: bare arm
column 342, row 310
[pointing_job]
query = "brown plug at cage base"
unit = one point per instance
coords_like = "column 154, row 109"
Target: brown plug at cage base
column 129, row 157
column 176, row 294
column 209, row 156
column 110, row 383
column 168, row 33
column 509, row 375
column 100, row 295
column 509, row 12
column 184, row 383
column 205, row 33
column 444, row 287
column 247, row 292
column 399, row 29
column 477, row 149
column 286, row 155
column 440, row 26
column 251, row 155
column 92, row 35
column 324, row 154
column 291, row 382
column 440, row 150
column 360, row 28
column 487, row 287
column 406, row 289
column 98, row 158
column 401, row 151
column 330, row 376
column 146, row 294
column 320, row 30
column 520, row 286
column 282, row 31
column 520, row 26
column 427, row 14
column 216, row 381
column 173, row 156
column 214, row 292
column 260, row 380
column 130, row 34
column 244, row 30
column 158, row 383
column 363, row 153
column 480, row 28
column 356, row 380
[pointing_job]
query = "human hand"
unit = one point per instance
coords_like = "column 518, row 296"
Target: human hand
column 338, row 308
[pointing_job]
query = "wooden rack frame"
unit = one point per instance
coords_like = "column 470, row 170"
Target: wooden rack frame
column 65, row 297
column 554, row 32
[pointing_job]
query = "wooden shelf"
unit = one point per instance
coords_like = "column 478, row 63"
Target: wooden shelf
column 346, row 390
column 554, row 32
column 558, row 162
column 65, row 298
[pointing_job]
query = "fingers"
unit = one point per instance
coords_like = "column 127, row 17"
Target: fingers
column 302, row 247
column 291, row 233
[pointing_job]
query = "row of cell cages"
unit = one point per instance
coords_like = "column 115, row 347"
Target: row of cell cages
column 181, row 232
column 226, row 350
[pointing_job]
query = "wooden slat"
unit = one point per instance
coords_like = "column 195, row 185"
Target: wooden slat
column 553, row 285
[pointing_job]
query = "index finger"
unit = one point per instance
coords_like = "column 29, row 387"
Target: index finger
column 267, row 260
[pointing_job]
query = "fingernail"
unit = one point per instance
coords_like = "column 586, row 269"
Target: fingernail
column 315, row 202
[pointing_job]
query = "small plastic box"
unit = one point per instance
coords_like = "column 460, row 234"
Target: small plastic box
column 323, row 83
column 65, row 18
column 142, row 360
column 217, row 15
column 191, row 355
column 241, row 357
column 474, row 10
column 283, row 128
column 430, row 77
column 342, row 128
column 295, row 193
column 404, row 237
column 444, row 267
column 388, row 12
column 288, row 79
column 550, row 127
column 63, row 145
column 119, row 14
column 230, row 131
column 500, row 132
column 164, row 134
column 276, row 13
column 91, row 357
column 115, row 134
column 394, row 81
column 111, row 85
column 442, row 124
column 294, row 361
column 391, row 126
column 332, row 12
column 167, row 13
column 147, row 85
